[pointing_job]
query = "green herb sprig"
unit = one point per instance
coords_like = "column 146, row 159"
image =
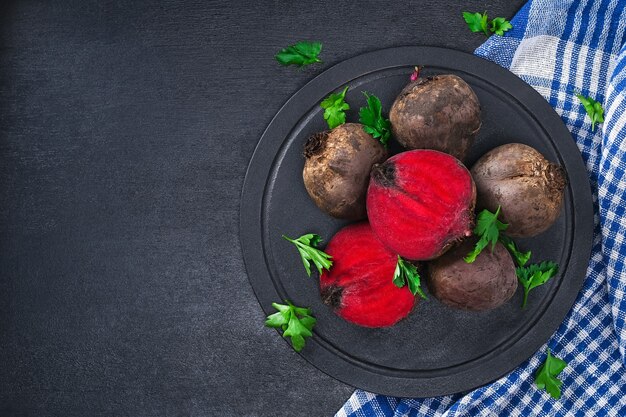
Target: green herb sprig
column 488, row 229
column 479, row 23
column 521, row 258
column 407, row 273
column 335, row 109
column 546, row 376
column 307, row 247
column 295, row 322
column 535, row 275
column 594, row 110
column 499, row 25
column 374, row 122
column 301, row 53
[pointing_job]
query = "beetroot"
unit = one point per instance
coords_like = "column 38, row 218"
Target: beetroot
column 527, row 187
column 359, row 287
column 440, row 112
column 484, row 284
column 420, row 203
column 337, row 169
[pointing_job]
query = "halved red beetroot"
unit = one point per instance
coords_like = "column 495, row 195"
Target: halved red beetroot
column 421, row 202
column 359, row 286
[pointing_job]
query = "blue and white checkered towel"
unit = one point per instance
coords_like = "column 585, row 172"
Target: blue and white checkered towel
column 561, row 47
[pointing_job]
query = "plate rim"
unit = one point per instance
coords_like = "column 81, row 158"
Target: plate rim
column 252, row 203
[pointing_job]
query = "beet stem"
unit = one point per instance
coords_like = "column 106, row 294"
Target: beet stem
column 315, row 144
column 525, row 299
column 331, row 296
column 416, row 73
column 385, row 174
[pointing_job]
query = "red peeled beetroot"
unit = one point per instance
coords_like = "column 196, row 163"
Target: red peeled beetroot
column 421, row 202
column 359, row 286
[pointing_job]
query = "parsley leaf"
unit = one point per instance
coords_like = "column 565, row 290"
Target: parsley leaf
column 593, row 108
column 296, row 322
column 535, row 275
column 488, row 228
column 546, row 376
column 301, row 53
column 521, row 258
column 407, row 273
column 499, row 25
column 374, row 122
column 307, row 246
column 476, row 22
column 335, row 109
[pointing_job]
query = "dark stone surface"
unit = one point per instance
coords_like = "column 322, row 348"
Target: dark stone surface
column 125, row 131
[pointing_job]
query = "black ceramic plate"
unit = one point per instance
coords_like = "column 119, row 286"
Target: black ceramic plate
column 436, row 350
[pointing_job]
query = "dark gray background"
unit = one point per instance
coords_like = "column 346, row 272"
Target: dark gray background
column 125, row 131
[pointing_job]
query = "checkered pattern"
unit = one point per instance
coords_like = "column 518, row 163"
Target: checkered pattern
column 562, row 47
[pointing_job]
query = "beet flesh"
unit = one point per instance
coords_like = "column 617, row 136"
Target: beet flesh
column 359, row 286
column 421, row 202
column 337, row 169
column 528, row 188
column 487, row 283
column 440, row 112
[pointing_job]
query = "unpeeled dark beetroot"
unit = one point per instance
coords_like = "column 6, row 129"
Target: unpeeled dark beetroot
column 440, row 112
column 337, row 168
column 526, row 186
column 487, row 283
column 421, row 202
column 359, row 286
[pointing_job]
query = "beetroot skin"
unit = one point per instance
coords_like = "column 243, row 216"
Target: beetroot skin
column 359, row 286
column 486, row 283
column 420, row 203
